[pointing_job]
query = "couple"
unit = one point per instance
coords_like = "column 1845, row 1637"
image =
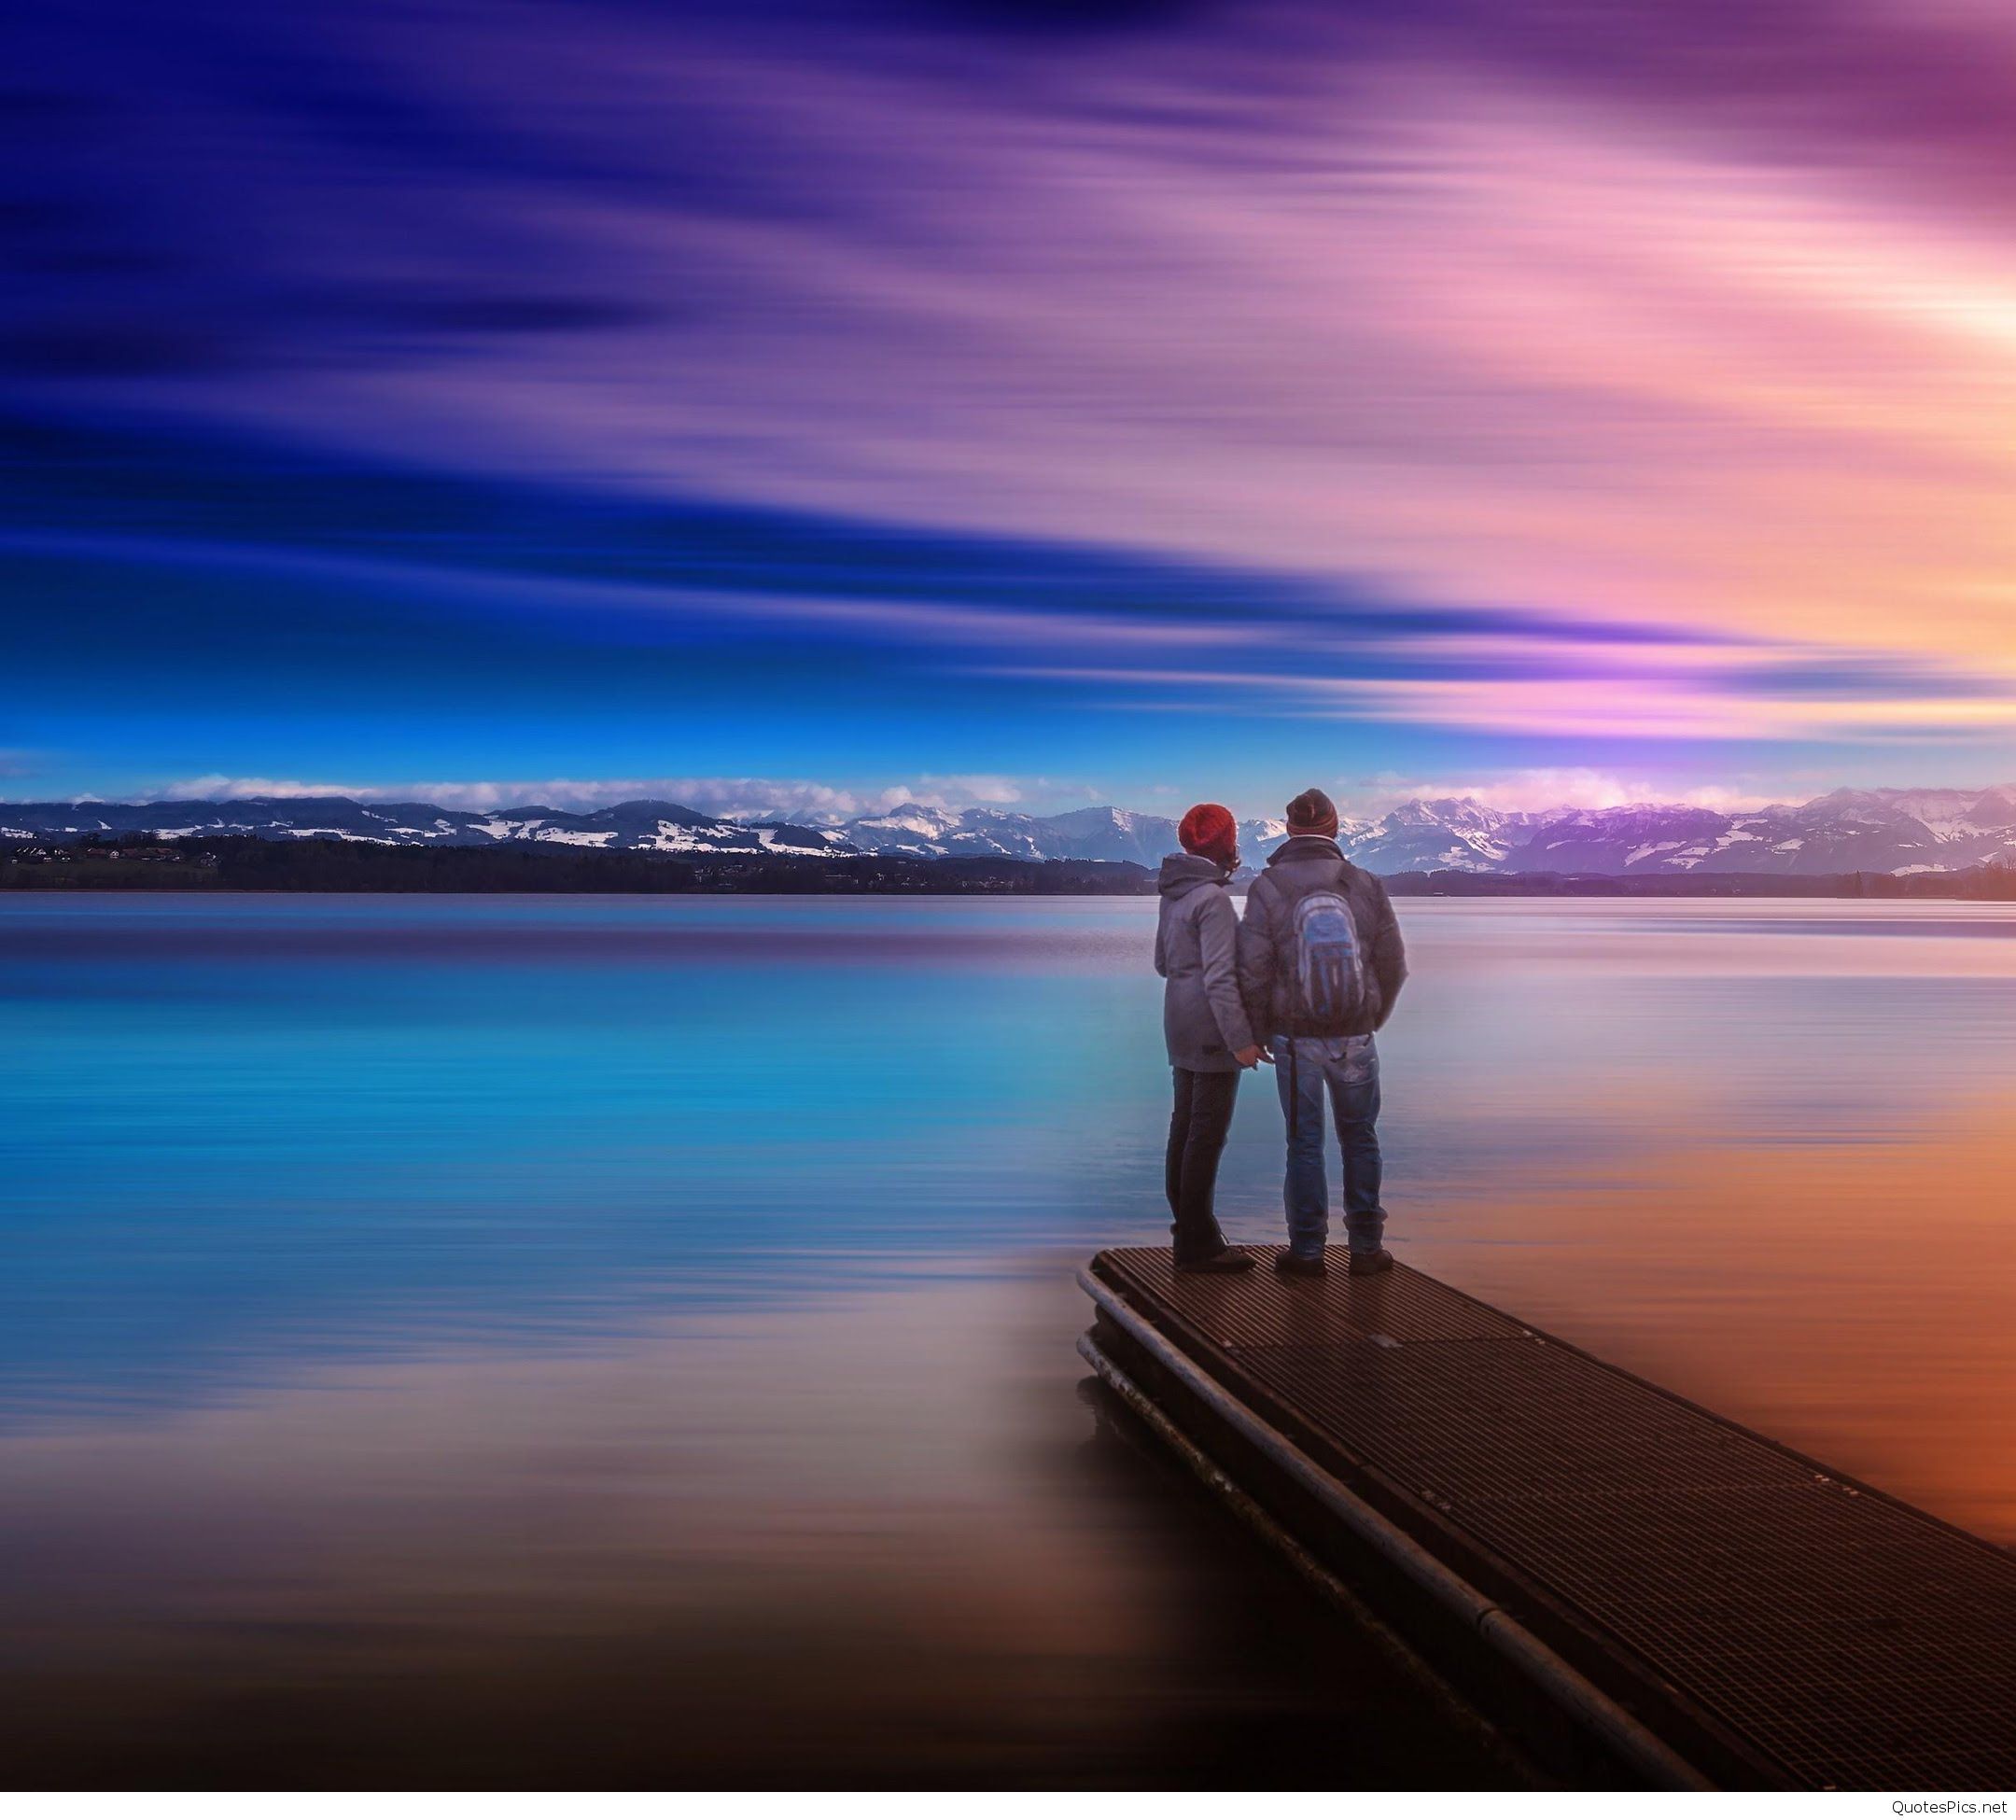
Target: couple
column 1301, row 983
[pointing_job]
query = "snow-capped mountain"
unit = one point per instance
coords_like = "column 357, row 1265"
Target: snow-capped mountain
column 1101, row 833
column 1846, row 830
column 909, row 828
column 975, row 833
column 661, row 827
column 1944, row 814
column 1451, row 833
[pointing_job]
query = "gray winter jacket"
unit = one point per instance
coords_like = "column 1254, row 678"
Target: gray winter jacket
column 1266, row 964
column 1197, row 951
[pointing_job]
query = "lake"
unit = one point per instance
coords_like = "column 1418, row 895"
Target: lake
column 609, row 1341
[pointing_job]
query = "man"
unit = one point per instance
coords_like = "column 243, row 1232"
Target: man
column 1320, row 964
column 1204, row 1025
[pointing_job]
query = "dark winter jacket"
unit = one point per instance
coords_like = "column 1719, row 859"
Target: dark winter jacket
column 1267, row 961
column 1197, row 951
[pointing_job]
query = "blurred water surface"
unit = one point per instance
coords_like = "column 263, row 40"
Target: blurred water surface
column 520, row 1339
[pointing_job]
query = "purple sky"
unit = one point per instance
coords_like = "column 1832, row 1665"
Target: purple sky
column 1139, row 403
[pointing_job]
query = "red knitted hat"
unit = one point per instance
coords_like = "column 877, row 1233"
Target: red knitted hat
column 1209, row 832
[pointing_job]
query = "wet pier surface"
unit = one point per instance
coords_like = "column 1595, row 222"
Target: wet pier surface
column 1772, row 1621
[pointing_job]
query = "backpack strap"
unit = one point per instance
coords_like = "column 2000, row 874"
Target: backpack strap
column 1294, row 1040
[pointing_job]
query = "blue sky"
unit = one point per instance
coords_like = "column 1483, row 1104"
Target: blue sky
column 811, row 406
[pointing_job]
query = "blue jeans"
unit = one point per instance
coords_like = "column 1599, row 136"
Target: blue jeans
column 1348, row 1066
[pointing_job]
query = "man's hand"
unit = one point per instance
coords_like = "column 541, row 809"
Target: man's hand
column 1251, row 1056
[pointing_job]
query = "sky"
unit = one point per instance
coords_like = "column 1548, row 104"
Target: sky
column 807, row 406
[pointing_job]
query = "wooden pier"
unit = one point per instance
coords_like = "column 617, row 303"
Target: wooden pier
column 1691, row 1603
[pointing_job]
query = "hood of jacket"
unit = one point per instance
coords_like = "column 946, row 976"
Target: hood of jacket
column 1183, row 872
column 1303, row 847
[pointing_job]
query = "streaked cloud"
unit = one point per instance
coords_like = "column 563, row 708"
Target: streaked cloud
column 803, row 800
column 1456, row 300
column 1540, row 787
column 749, row 798
column 1620, row 707
column 1523, row 373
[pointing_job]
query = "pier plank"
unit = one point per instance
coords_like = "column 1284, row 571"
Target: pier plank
column 1848, row 1640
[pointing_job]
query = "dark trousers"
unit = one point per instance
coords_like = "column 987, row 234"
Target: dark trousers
column 1196, row 1138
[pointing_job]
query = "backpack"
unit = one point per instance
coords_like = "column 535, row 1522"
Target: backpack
column 1329, row 960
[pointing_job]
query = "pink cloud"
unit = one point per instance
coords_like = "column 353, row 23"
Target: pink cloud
column 1701, row 318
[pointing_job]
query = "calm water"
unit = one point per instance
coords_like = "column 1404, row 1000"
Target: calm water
column 601, row 1341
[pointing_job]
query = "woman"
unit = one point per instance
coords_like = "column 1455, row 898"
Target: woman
column 1204, row 1022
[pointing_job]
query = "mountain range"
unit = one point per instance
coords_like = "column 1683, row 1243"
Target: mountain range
column 1893, row 830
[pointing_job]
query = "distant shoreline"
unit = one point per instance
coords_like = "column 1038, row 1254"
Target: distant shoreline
column 246, row 864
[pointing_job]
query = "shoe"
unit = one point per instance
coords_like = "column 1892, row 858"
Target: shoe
column 1289, row 1264
column 1219, row 1264
column 1369, row 1264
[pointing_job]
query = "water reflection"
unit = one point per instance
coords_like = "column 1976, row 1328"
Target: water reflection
column 541, row 1339
column 878, row 1540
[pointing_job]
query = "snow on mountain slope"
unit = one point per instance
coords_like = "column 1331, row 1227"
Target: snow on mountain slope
column 913, row 819
column 1451, row 834
column 1108, row 833
column 646, row 826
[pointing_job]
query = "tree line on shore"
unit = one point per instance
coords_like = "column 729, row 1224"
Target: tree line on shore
column 248, row 864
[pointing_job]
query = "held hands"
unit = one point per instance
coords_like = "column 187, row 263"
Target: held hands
column 1252, row 1056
